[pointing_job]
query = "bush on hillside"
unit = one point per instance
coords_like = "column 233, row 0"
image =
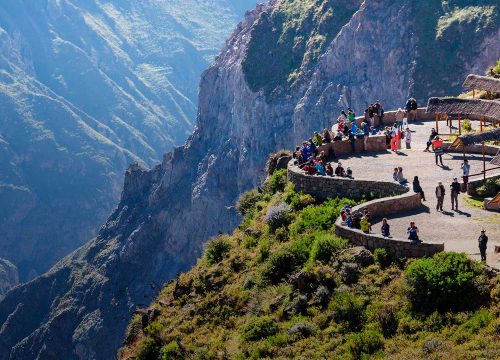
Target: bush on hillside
column 217, row 249
column 276, row 182
column 348, row 309
column 297, row 201
column 172, row 351
column 447, row 281
column 259, row 328
column 326, row 246
column 490, row 188
column 246, row 202
column 278, row 216
column 149, row 349
column 382, row 258
column 365, row 343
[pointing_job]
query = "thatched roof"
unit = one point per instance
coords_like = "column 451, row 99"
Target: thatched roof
column 482, row 83
column 471, row 139
column 456, row 106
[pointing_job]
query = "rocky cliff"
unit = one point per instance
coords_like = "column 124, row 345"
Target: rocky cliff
column 81, row 307
column 8, row 277
column 86, row 88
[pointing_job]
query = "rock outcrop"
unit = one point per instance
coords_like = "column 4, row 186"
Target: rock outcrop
column 8, row 277
column 80, row 308
column 86, row 88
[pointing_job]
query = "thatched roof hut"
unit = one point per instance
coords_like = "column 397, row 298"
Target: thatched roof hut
column 471, row 139
column 465, row 107
column 482, row 83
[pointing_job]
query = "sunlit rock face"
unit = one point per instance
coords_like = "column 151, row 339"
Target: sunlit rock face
column 372, row 50
column 86, row 88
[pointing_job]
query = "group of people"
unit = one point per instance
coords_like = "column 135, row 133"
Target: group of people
column 357, row 220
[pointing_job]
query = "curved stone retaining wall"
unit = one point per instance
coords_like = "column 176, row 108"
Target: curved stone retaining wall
column 323, row 187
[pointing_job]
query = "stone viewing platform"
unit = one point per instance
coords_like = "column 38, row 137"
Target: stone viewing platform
column 372, row 177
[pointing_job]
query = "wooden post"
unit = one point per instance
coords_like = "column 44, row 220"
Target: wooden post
column 473, row 93
column 459, row 125
column 437, row 123
column 481, row 124
column 484, row 164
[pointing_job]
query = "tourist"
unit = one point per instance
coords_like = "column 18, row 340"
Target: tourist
column 395, row 174
column 408, row 138
column 387, row 133
column 356, row 220
column 351, row 116
column 371, row 117
column 400, row 177
column 394, row 137
column 297, row 155
column 465, row 172
column 349, row 221
column 346, row 130
column 339, row 170
column 329, row 169
column 483, row 242
column 309, row 168
column 366, row 133
column 314, row 149
column 338, row 136
column 317, row 139
column 417, row 188
column 352, row 139
column 379, row 112
column 365, row 225
column 413, row 232
column 455, row 190
column 437, row 144
column 326, row 137
column 348, row 173
column 319, row 168
column 322, row 157
column 411, row 108
column 386, row 228
column 400, row 114
column 440, row 192
column 431, row 137
column 306, row 150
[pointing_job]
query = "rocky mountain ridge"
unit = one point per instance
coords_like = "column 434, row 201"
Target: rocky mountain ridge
column 86, row 88
column 81, row 307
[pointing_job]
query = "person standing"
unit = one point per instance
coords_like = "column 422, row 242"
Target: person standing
column 400, row 114
column 437, row 143
column 455, row 190
column 408, row 138
column 483, row 242
column 431, row 137
column 440, row 192
column 465, row 173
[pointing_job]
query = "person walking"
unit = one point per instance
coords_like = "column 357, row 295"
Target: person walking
column 408, row 138
column 455, row 190
column 465, row 172
column 483, row 242
column 440, row 192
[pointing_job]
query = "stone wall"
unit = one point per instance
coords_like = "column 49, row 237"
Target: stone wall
column 375, row 143
column 324, row 187
column 397, row 247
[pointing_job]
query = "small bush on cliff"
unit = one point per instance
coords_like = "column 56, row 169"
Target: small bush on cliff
column 326, row 246
column 276, row 182
column 278, row 216
column 297, row 201
column 259, row 328
column 246, row 203
column 366, row 343
column 172, row 351
column 217, row 249
column 149, row 349
column 447, row 281
column 348, row 309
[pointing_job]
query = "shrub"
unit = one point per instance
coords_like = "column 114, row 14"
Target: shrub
column 382, row 258
column 285, row 261
column 149, row 349
column 297, row 201
column 264, row 249
column 318, row 218
column 246, row 203
column 278, row 216
column 385, row 314
column 365, row 343
column 478, row 321
column 447, row 281
column 467, row 125
column 349, row 272
column 326, row 246
column 348, row 309
column 276, row 182
column 217, row 249
column 172, row 351
column 490, row 188
column 259, row 328
column 302, row 329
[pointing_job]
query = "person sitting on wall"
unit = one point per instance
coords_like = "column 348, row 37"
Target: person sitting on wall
column 319, row 167
column 349, row 221
column 309, row 168
column 352, row 140
column 314, row 149
column 365, row 225
column 348, row 173
column 327, row 138
column 417, row 188
column 338, row 136
column 297, row 155
column 317, row 139
column 413, row 232
column 400, row 177
column 328, row 169
column 322, row 157
column 347, row 131
column 395, row 174
column 356, row 220
column 339, row 170
column 351, row 116
column 386, row 228
column 306, row 150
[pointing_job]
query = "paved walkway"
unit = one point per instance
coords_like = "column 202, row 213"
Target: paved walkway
column 459, row 230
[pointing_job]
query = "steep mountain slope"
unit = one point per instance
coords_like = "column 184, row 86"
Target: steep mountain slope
column 290, row 289
column 80, row 308
column 8, row 277
column 86, row 88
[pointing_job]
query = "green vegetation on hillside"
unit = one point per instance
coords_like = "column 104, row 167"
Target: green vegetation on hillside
column 291, row 39
column 283, row 286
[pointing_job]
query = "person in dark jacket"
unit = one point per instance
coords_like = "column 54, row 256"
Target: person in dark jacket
column 417, row 188
column 386, row 228
column 455, row 190
column 483, row 242
column 440, row 192
column 434, row 133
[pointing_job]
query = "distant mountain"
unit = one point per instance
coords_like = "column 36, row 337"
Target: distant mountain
column 87, row 87
column 8, row 277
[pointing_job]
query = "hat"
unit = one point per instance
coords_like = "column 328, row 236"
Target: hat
column 455, row 178
column 483, row 230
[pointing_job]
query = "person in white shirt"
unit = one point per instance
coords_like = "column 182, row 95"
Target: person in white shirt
column 465, row 172
column 408, row 138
